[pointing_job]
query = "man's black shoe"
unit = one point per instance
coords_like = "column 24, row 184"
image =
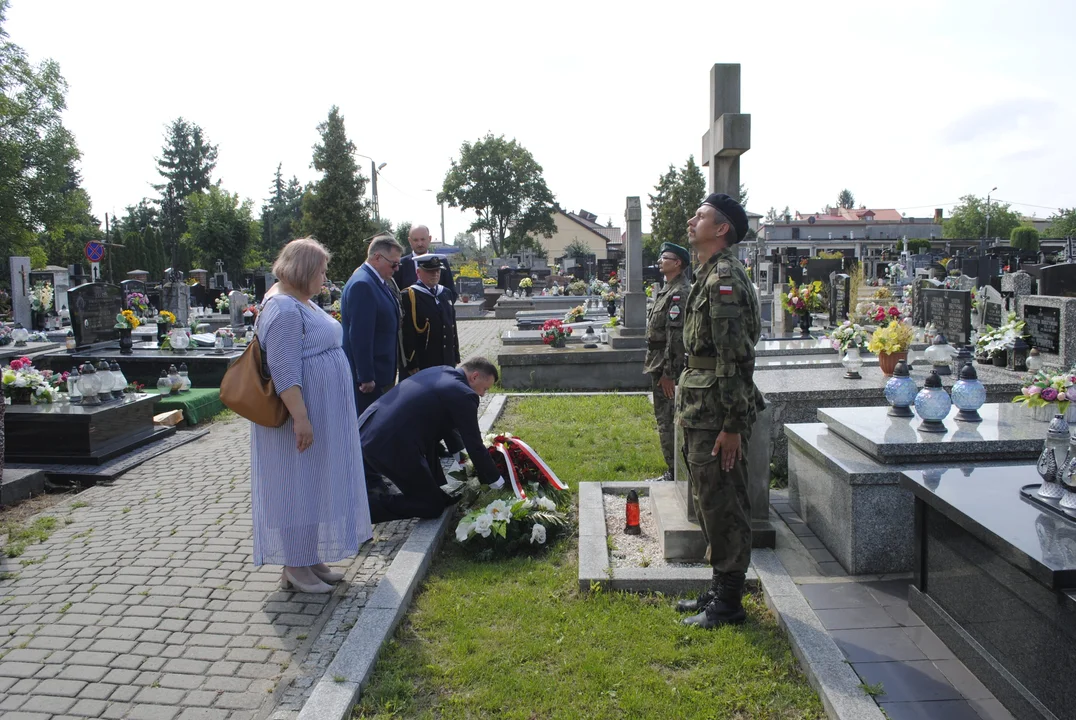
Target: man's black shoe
column 697, row 604
column 726, row 608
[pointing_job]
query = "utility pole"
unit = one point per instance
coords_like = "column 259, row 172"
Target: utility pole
column 442, row 223
column 373, row 180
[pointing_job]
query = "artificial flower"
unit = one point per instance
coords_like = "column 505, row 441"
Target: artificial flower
column 483, row 524
column 463, row 531
column 499, row 510
column 538, row 534
column 546, row 504
column 1049, row 394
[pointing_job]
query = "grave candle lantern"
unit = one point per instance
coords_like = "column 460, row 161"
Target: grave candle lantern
column 87, row 384
column 969, row 395
column 939, row 354
column 1017, row 355
column 933, row 404
column 20, row 335
column 852, row 362
column 631, row 524
column 962, row 358
column 73, row 393
column 900, row 391
column 185, row 378
column 590, row 340
column 1034, row 361
column 1053, row 460
column 119, row 382
column 164, row 385
column 104, row 381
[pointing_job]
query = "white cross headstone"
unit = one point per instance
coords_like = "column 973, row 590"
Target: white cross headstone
column 20, row 291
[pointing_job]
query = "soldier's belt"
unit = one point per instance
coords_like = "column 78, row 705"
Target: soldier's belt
column 656, row 343
column 722, row 369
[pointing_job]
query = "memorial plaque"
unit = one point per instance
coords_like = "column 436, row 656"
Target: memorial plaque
column 470, row 287
column 605, row 268
column 839, row 297
column 949, row 311
column 992, row 314
column 1044, row 327
column 94, row 307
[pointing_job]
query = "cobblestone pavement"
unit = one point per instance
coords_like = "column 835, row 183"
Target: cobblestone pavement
column 482, row 337
column 144, row 603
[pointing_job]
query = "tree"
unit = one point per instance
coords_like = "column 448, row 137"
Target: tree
column 39, row 184
column 281, row 214
column 219, row 227
column 968, row 219
column 1024, row 238
column 467, row 244
column 679, row 194
column 333, row 208
column 186, row 163
column 1063, row 223
column 846, row 199
column 403, row 234
column 502, row 183
column 917, row 244
column 741, row 195
column 577, row 249
column 773, row 217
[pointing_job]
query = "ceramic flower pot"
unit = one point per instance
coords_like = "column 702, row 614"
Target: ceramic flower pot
column 559, row 343
column 20, row 396
column 126, row 343
column 805, row 323
column 887, row 362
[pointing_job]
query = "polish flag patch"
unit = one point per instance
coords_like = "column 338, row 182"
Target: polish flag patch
column 724, row 289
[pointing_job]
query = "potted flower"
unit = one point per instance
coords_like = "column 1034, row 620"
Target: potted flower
column 802, row 301
column 225, row 338
column 1046, row 394
column 24, row 384
column 992, row 342
column 526, row 285
column 890, row 344
column 577, row 287
column 555, row 334
column 610, row 299
column 126, row 321
column 222, row 303
column 41, row 297
column 138, row 302
column 576, row 314
column 165, row 320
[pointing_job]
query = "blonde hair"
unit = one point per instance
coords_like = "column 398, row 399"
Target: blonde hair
column 299, row 262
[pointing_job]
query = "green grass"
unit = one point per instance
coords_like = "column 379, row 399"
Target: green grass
column 19, row 535
column 515, row 638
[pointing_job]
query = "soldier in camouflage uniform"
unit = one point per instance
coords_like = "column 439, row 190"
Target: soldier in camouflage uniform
column 718, row 404
column 665, row 344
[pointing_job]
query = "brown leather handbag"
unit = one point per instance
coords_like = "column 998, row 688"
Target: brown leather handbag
column 247, row 389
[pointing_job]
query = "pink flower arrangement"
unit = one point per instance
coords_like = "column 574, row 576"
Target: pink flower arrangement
column 1043, row 389
column 21, row 363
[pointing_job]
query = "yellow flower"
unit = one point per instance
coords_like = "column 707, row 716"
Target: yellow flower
column 171, row 318
column 131, row 318
column 894, row 338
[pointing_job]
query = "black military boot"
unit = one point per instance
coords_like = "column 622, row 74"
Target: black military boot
column 704, row 599
column 726, row 608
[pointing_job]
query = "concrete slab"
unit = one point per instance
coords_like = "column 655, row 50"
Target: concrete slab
column 18, row 484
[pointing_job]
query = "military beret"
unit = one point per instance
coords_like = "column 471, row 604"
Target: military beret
column 680, row 252
column 429, row 261
column 730, row 209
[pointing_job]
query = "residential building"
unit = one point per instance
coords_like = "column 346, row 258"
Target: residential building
column 581, row 227
column 860, row 223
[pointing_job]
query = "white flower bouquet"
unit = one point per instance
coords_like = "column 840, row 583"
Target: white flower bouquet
column 507, row 526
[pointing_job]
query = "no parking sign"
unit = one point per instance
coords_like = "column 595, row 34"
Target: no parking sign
column 94, row 251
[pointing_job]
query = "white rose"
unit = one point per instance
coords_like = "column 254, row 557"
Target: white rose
column 483, row 525
column 463, row 531
column 538, row 534
column 499, row 510
column 21, row 381
column 546, row 504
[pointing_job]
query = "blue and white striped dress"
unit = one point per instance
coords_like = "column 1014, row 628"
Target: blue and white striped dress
column 308, row 507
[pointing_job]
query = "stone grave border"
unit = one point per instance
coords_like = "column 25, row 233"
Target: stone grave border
column 837, row 685
column 357, row 656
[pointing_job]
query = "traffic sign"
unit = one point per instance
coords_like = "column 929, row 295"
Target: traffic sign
column 94, row 251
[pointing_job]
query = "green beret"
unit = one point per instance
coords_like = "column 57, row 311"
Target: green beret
column 680, row 252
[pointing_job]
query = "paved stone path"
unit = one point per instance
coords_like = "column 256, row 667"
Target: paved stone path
column 144, row 602
column 482, row 337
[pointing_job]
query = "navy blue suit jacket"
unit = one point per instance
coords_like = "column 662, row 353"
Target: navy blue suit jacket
column 370, row 314
column 406, row 275
column 411, row 418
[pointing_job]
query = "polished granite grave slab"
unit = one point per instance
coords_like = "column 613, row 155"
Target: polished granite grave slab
column 91, row 434
column 145, row 363
column 10, row 352
column 1006, row 432
column 540, row 367
column 995, row 579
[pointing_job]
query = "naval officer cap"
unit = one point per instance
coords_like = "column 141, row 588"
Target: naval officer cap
column 429, row 261
column 730, row 209
column 680, row 252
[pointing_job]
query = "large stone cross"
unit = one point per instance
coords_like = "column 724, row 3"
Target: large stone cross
column 729, row 133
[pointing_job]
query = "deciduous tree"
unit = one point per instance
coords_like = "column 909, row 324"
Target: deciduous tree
column 679, row 194
column 220, row 227
column 1063, row 223
column 968, row 219
column 1024, row 237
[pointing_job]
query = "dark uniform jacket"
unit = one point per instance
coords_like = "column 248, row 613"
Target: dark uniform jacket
column 665, row 329
column 370, row 314
column 401, row 430
column 429, row 328
column 717, row 390
column 406, row 275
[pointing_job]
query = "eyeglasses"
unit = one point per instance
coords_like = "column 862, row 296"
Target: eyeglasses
column 668, row 257
column 395, row 264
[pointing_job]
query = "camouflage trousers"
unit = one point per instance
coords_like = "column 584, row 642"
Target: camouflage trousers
column 665, row 413
column 721, row 501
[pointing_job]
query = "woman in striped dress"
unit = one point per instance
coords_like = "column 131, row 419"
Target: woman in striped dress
column 308, row 490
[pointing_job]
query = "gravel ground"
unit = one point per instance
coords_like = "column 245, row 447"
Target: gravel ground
column 632, row 551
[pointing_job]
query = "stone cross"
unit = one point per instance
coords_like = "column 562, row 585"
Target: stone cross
column 634, row 292
column 220, row 266
column 729, row 133
column 20, row 291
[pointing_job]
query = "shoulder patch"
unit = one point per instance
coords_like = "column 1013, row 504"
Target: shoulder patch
column 724, row 268
column 674, row 311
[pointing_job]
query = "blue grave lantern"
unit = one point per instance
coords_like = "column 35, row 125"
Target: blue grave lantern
column 969, row 395
column 900, row 391
column 933, row 404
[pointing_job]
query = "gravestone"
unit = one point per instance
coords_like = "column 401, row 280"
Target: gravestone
column 20, row 291
column 131, row 286
column 605, row 269
column 237, row 303
column 1058, row 280
column 728, row 133
column 94, row 307
column 61, row 282
column 634, row 299
column 198, row 295
column 1018, row 284
column 963, row 282
column 1051, row 325
column 949, row 311
column 176, row 299
column 993, row 313
column 917, row 304
column 839, row 297
column 41, row 278
column 820, row 270
column 470, row 287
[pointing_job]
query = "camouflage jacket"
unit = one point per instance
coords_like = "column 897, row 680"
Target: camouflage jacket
column 665, row 329
column 722, row 322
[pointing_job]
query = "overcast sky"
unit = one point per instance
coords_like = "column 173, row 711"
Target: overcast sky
column 909, row 105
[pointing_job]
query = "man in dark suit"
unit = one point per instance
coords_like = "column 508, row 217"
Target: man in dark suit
column 402, row 430
column 419, row 239
column 429, row 323
column 370, row 314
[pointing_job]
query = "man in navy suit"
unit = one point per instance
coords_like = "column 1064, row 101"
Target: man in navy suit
column 370, row 313
column 403, row 428
column 419, row 239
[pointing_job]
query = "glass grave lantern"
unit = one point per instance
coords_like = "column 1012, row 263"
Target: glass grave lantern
column 963, row 357
column 20, row 335
column 900, row 391
column 87, row 384
column 179, row 339
column 852, row 362
column 1034, row 361
column 174, row 381
column 104, row 381
column 1054, row 460
column 590, row 340
column 164, row 385
column 1016, row 355
column 74, row 395
column 184, row 378
column 933, row 404
column 968, row 395
column 940, row 354
column 119, row 382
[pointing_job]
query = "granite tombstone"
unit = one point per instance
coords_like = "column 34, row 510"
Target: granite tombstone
column 839, row 297
column 94, row 307
column 471, row 288
column 20, row 290
column 1058, row 280
column 949, row 311
column 131, row 286
column 1051, row 325
column 993, row 305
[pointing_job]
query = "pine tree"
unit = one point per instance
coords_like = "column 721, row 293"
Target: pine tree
column 679, row 194
column 333, row 208
column 186, row 163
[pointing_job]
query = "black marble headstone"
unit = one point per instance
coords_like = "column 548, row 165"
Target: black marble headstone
column 839, row 297
column 132, row 286
column 1059, row 280
column 470, row 287
column 94, row 307
column 819, row 269
column 198, row 295
column 992, row 314
column 605, row 268
column 949, row 311
column 1043, row 327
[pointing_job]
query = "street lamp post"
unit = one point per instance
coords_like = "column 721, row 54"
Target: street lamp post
column 374, row 168
column 982, row 243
